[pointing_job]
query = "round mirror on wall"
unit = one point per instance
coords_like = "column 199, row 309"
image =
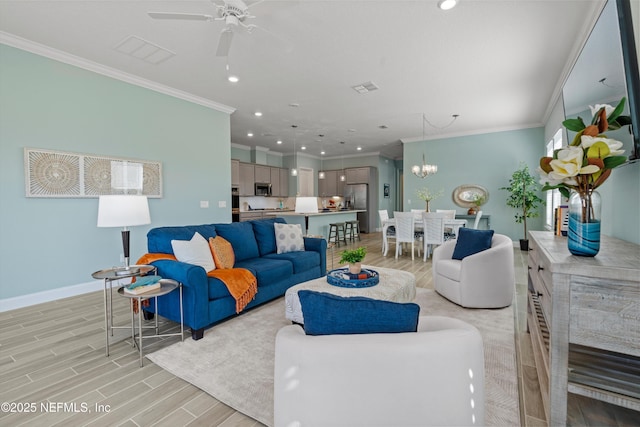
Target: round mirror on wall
column 469, row 195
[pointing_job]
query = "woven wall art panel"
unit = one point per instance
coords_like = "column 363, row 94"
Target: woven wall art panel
column 62, row 174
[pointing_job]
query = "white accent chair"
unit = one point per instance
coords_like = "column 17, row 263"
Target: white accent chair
column 482, row 280
column 405, row 232
column 433, row 377
column 433, row 226
column 476, row 222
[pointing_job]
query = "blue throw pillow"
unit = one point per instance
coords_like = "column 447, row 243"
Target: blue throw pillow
column 328, row 314
column 471, row 242
column 242, row 239
column 265, row 234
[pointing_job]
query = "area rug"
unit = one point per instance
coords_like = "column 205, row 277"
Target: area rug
column 234, row 361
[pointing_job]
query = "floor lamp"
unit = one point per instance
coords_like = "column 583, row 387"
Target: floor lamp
column 123, row 211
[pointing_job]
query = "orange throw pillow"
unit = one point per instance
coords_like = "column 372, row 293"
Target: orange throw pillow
column 222, row 252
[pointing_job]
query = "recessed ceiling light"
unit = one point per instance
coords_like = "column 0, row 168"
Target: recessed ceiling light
column 233, row 79
column 279, row 142
column 359, row 148
column 447, row 4
column 258, row 114
column 322, row 153
column 303, row 148
column 250, row 134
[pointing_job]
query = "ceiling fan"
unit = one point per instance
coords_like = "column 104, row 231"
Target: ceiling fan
column 234, row 13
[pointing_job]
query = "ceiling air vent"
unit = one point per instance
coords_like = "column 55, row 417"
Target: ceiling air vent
column 142, row 49
column 365, row 87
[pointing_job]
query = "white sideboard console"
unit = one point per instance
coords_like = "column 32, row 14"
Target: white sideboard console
column 584, row 322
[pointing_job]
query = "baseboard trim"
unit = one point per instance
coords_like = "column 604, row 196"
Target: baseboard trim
column 28, row 300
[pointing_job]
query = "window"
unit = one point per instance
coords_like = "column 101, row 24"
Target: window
column 554, row 198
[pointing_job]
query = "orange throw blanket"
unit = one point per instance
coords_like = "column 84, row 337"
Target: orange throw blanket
column 242, row 285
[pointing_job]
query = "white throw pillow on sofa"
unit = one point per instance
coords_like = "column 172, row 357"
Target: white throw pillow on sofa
column 288, row 238
column 195, row 251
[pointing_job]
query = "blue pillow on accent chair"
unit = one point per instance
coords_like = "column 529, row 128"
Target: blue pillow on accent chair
column 328, row 314
column 471, row 242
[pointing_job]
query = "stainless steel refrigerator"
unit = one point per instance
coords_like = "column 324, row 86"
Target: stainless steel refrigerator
column 356, row 196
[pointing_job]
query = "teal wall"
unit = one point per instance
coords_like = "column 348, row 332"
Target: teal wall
column 50, row 243
column 487, row 160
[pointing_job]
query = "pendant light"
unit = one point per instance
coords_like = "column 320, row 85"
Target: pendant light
column 343, row 177
column 294, row 170
column 321, row 174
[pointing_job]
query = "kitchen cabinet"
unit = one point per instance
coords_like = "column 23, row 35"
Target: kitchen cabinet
column 235, row 173
column 262, row 174
column 331, row 185
column 340, row 183
column 247, row 179
column 582, row 315
column 284, row 183
column 358, row 175
column 249, row 216
column 275, row 182
column 328, row 186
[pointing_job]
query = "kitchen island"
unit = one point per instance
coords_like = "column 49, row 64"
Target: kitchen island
column 316, row 224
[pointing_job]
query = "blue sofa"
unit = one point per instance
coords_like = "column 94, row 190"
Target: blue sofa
column 206, row 300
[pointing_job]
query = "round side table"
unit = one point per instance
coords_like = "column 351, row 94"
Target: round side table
column 109, row 276
column 166, row 286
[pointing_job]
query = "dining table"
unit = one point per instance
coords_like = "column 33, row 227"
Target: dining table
column 452, row 223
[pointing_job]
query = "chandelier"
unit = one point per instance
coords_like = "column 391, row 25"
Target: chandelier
column 425, row 170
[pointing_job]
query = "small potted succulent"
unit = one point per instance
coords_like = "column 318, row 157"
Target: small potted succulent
column 354, row 258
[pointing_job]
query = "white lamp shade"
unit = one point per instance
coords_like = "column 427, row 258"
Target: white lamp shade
column 123, row 211
column 306, row 205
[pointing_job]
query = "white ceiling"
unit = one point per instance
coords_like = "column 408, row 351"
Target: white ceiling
column 499, row 64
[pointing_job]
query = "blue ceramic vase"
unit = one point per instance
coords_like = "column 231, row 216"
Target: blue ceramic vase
column 583, row 235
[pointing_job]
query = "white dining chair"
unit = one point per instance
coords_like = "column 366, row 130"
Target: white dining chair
column 417, row 218
column 405, row 232
column 433, row 226
column 449, row 214
column 388, row 232
column 477, row 220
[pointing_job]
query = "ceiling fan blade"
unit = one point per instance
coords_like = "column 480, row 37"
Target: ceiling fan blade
column 184, row 16
column 224, row 44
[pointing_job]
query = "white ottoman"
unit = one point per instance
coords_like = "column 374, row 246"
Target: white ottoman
column 394, row 285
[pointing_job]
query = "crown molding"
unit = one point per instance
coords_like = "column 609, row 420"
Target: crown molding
column 76, row 61
column 471, row 133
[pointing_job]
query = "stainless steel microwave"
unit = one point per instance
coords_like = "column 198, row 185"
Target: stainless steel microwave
column 263, row 189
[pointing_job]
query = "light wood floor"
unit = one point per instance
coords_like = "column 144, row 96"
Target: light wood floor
column 52, row 356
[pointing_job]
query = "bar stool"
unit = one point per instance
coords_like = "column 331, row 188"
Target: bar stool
column 334, row 233
column 352, row 230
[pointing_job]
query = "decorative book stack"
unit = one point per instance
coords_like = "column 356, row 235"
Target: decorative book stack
column 143, row 285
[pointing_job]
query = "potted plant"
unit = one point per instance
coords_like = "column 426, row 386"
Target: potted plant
column 523, row 196
column 426, row 195
column 478, row 201
column 354, row 258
